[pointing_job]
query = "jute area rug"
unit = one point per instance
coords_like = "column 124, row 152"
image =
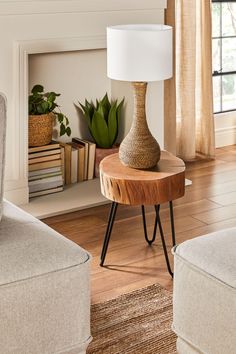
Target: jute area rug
column 134, row 323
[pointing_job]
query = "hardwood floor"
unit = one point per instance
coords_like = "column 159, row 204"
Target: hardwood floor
column 208, row 205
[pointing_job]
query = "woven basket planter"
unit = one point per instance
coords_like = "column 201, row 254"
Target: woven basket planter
column 40, row 129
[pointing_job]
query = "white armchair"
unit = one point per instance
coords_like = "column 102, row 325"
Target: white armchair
column 44, row 283
column 205, row 294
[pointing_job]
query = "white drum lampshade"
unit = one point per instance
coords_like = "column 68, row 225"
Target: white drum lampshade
column 140, row 54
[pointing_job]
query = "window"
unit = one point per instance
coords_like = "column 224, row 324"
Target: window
column 224, row 55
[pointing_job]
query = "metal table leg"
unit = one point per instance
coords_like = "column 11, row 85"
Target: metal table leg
column 172, row 223
column 145, row 227
column 158, row 222
column 111, row 219
column 163, row 240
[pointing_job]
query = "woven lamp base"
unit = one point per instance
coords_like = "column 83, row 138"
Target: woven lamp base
column 139, row 149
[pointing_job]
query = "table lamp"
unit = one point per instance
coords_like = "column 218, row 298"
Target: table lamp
column 139, row 53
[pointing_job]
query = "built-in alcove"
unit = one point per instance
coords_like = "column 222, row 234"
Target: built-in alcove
column 76, row 75
column 74, row 32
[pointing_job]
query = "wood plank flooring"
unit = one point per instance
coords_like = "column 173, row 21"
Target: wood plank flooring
column 208, row 205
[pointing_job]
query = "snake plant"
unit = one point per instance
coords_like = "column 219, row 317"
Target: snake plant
column 103, row 120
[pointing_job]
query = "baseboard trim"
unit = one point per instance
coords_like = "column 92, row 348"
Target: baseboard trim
column 17, row 196
column 225, row 136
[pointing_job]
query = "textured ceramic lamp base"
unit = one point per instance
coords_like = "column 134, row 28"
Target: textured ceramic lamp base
column 139, row 149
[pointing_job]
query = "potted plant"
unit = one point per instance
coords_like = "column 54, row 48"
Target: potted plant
column 103, row 121
column 43, row 110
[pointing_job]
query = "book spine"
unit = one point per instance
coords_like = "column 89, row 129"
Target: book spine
column 33, row 155
column 74, row 165
column 45, row 158
column 68, row 149
column 44, row 171
column 45, row 147
column 46, row 180
column 48, row 191
column 47, row 175
column 86, row 146
column 80, row 176
column 44, row 186
column 91, row 161
column 43, row 165
column 63, row 164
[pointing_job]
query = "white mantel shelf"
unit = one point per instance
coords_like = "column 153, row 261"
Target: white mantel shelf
column 75, row 197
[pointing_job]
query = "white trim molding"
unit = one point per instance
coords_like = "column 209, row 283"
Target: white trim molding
column 29, row 7
column 22, row 50
column 225, row 129
column 225, row 136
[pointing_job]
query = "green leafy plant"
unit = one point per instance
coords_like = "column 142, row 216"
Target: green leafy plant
column 103, row 120
column 41, row 102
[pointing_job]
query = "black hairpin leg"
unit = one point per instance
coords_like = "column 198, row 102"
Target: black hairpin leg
column 158, row 221
column 157, row 208
column 111, row 219
column 172, row 223
column 145, row 227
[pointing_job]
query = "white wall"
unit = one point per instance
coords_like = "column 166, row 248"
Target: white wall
column 75, row 75
column 27, row 26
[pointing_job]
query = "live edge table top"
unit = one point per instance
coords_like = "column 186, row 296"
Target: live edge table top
column 125, row 185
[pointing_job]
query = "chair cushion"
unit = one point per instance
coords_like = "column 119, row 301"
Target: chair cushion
column 2, row 145
column 44, row 288
column 214, row 253
column 205, row 292
column 29, row 248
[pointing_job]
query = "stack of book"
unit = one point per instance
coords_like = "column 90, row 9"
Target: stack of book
column 45, row 169
column 79, row 160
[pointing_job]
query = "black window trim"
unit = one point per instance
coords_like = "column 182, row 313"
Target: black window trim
column 220, row 72
column 223, row 0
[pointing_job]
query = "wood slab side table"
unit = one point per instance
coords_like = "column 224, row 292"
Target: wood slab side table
column 124, row 185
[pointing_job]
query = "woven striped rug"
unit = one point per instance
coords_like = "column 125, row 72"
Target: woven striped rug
column 134, row 323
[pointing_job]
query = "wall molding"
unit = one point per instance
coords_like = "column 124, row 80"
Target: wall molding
column 29, row 7
column 63, row 44
column 22, row 50
column 19, row 195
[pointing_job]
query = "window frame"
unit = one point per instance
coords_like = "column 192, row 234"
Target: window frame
column 225, row 73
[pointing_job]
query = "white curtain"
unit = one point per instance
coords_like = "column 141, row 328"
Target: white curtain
column 189, row 120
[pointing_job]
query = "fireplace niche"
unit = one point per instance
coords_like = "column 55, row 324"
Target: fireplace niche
column 76, row 75
column 30, row 34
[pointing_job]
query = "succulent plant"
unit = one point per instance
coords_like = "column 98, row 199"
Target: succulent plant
column 41, row 102
column 103, row 120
